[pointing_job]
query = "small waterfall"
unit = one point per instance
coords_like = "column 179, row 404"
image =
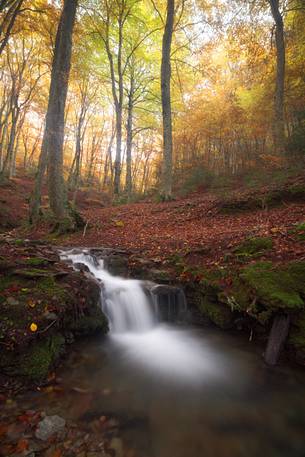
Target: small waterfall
column 124, row 301
column 138, row 313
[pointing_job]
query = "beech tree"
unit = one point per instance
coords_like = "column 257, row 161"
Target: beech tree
column 53, row 139
column 166, row 190
column 279, row 122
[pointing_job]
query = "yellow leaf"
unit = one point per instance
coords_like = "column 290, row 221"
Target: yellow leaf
column 33, row 327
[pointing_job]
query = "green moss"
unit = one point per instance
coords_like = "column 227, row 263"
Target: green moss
column 49, row 287
column 89, row 325
column 38, row 361
column 238, row 297
column 19, row 242
column 300, row 227
column 35, row 261
column 253, row 247
column 277, row 287
column 299, row 231
column 219, row 314
column 209, row 304
column 33, row 273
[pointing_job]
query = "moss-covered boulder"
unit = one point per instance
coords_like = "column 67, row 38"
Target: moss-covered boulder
column 277, row 287
column 41, row 310
column 218, row 313
column 35, row 364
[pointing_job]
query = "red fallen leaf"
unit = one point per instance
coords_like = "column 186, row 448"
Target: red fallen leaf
column 57, row 453
column 22, row 445
column 13, row 288
column 24, row 418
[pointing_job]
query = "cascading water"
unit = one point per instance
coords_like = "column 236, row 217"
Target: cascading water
column 129, row 304
column 135, row 312
column 124, row 300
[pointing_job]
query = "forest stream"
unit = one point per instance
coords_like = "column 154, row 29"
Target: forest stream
column 173, row 390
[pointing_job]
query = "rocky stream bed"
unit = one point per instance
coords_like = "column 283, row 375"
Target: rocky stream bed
column 47, row 307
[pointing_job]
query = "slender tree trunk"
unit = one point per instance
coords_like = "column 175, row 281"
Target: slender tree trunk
column 166, row 190
column 8, row 162
column 117, row 162
column 108, row 161
column 52, row 147
column 129, row 138
column 279, row 118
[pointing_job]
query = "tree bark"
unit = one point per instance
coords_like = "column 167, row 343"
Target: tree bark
column 166, row 190
column 129, row 137
column 58, row 94
column 53, row 140
column 279, row 118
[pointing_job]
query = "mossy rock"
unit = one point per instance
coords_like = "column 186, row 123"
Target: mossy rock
column 34, row 273
column 40, row 358
column 219, row 314
column 49, row 287
column 89, row 325
column 36, row 261
column 36, row 361
column 277, row 287
column 253, row 247
column 239, row 297
column 210, row 306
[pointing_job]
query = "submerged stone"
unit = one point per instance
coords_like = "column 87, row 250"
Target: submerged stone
column 49, row 426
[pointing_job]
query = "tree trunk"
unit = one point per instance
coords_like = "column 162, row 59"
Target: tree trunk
column 117, row 162
column 279, row 122
column 52, row 146
column 166, row 190
column 129, row 138
column 58, row 95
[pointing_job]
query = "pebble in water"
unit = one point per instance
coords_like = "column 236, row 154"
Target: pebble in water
column 48, row 426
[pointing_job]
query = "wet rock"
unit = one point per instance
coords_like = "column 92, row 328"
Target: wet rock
column 277, row 338
column 116, row 264
column 48, row 426
column 81, row 267
column 161, row 276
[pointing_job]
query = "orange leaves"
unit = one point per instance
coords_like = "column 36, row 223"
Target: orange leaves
column 22, row 446
column 57, row 453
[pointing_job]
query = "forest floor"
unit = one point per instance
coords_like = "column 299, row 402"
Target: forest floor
column 203, row 228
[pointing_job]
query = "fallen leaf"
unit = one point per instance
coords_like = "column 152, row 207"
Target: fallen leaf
column 33, row 327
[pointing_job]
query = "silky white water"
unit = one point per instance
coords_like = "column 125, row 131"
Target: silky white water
column 137, row 336
column 124, row 301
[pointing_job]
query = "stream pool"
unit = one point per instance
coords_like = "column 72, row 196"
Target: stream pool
column 169, row 404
